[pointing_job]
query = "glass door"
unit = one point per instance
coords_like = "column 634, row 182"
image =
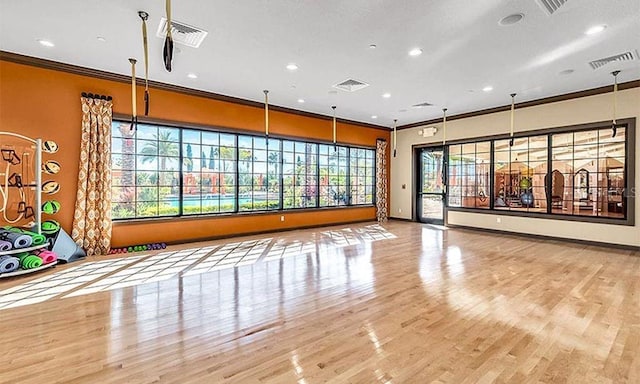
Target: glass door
column 431, row 185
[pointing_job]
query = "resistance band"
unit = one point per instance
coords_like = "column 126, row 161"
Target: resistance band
column 144, row 16
column 168, row 41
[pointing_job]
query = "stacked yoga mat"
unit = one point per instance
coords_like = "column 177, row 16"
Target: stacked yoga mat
column 12, row 240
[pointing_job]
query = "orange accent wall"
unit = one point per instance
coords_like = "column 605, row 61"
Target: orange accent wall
column 45, row 103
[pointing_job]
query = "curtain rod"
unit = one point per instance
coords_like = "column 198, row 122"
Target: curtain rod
column 96, row 96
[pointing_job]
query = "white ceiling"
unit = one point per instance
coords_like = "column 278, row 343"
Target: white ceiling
column 251, row 41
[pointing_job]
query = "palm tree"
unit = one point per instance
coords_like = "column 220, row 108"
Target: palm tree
column 189, row 160
column 163, row 146
column 212, row 158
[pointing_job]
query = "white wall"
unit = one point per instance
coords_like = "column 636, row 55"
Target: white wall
column 570, row 112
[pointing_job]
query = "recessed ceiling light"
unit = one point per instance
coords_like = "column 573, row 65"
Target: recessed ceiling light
column 567, row 72
column 386, row 95
column 595, row 29
column 192, row 76
column 488, row 88
column 101, row 39
column 300, row 101
column 415, row 52
column 374, row 117
column 46, row 43
column 372, row 46
column 511, row 19
column 292, row 67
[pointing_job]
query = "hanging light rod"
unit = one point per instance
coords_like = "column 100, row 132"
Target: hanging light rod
column 614, row 125
column 395, row 136
column 134, row 107
column 266, row 112
column 444, row 126
column 334, row 126
column 513, row 109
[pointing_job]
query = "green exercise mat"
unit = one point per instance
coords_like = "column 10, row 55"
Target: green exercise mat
column 30, row 261
column 36, row 239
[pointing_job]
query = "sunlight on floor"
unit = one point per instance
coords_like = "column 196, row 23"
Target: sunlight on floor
column 91, row 277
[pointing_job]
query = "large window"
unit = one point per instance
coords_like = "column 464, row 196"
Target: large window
column 469, row 167
column 333, row 175
column 300, row 174
column 170, row 171
column 570, row 172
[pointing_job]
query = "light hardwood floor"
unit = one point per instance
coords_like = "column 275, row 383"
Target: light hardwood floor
column 430, row 305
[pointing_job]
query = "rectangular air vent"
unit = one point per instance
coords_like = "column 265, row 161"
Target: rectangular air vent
column 351, row 85
column 627, row 56
column 551, row 6
column 182, row 33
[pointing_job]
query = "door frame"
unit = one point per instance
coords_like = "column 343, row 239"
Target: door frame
column 416, row 151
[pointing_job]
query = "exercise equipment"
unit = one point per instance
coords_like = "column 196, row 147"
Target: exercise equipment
column 64, row 247
column 51, row 167
column 17, row 239
column 145, row 45
column 9, row 264
column 525, row 183
column 46, row 256
column 50, row 146
column 30, row 261
column 527, row 199
column 51, row 207
column 5, row 245
column 50, row 187
column 167, row 52
column 36, row 238
column 50, row 227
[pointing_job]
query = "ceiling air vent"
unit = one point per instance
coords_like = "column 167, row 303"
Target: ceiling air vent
column 351, row 85
column 422, row 105
column 627, row 56
column 551, row 6
column 182, row 33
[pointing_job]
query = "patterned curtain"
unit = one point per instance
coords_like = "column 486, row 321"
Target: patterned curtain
column 92, row 218
column 381, row 180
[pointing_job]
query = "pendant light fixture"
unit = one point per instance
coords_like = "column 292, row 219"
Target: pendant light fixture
column 168, row 41
column 395, row 136
column 335, row 147
column 444, row 126
column 614, row 125
column 145, row 44
column 513, row 109
column 134, row 107
column 266, row 112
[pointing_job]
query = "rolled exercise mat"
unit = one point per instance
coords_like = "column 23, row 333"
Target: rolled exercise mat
column 17, row 239
column 47, row 257
column 9, row 264
column 30, row 262
column 5, row 245
column 35, row 238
